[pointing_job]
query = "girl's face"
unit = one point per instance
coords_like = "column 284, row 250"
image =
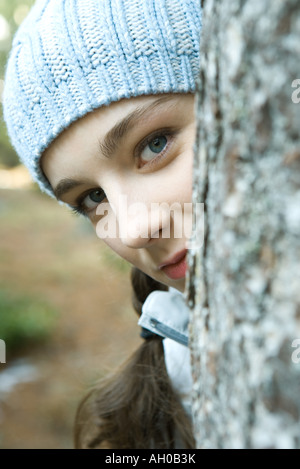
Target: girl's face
column 126, row 167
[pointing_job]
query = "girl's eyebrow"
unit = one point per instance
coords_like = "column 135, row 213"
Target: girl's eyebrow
column 65, row 185
column 113, row 138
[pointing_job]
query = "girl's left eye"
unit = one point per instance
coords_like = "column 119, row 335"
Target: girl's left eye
column 152, row 147
column 155, row 146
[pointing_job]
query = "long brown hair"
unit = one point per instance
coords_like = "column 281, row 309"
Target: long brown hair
column 136, row 407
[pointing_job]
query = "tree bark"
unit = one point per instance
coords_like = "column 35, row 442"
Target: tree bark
column 244, row 283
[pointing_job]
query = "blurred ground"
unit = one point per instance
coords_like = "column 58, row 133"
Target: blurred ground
column 47, row 252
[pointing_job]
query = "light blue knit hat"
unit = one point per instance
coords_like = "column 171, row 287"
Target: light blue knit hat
column 72, row 56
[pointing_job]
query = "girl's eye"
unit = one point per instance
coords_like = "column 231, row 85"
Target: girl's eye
column 89, row 201
column 94, row 198
column 156, row 146
column 153, row 147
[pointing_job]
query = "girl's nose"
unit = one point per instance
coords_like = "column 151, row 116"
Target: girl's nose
column 139, row 223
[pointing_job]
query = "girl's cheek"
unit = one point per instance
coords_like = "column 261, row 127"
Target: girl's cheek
column 104, row 222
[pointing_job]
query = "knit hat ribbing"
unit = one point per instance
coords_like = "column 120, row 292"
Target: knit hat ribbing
column 70, row 57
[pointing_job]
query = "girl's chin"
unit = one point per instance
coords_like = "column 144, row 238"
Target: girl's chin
column 177, row 284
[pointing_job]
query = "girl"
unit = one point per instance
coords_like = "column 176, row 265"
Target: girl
column 99, row 104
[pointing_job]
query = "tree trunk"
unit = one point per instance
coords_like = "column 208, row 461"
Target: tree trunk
column 244, row 286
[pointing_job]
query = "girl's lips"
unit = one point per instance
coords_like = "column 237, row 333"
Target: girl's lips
column 175, row 268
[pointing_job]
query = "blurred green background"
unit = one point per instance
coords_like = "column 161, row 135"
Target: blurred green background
column 65, row 299
column 22, row 318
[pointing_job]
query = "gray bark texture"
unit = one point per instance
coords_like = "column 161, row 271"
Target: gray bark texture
column 244, row 285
